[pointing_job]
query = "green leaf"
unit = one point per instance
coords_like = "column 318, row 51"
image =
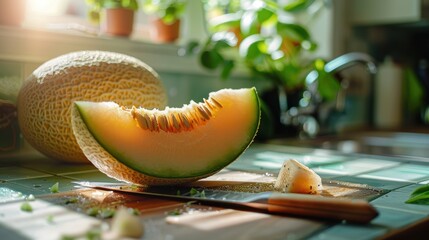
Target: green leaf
column 211, row 59
column 249, row 23
column 422, row 198
column 93, row 2
column 277, row 56
column 272, row 4
column 420, row 190
column 420, row 195
column 94, row 16
column 170, row 15
column 273, row 44
column 225, row 22
column 414, row 91
column 131, row 4
column 190, row 48
column 291, row 77
column 319, row 65
column 309, row 45
column 167, row 10
column 168, row 19
column 328, row 86
column 293, row 31
column 223, row 39
column 264, row 15
column 249, row 48
column 228, row 65
column 149, row 8
column 297, row 5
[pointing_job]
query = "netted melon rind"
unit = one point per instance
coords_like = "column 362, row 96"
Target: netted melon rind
column 46, row 97
column 109, row 165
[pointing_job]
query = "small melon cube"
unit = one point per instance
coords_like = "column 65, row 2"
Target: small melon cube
column 295, row 177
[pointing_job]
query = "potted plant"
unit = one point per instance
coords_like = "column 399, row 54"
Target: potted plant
column 264, row 37
column 165, row 18
column 115, row 17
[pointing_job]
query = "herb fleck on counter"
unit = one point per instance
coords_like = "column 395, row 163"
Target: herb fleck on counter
column 195, row 193
column 50, row 219
column 26, row 207
column 55, row 188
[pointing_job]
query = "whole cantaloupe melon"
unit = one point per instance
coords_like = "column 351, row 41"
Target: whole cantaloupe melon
column 47, row 95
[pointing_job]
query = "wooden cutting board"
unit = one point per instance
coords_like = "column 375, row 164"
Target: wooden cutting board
column 253, row 182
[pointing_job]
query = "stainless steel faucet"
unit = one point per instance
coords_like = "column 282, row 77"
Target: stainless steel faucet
column 312, row 104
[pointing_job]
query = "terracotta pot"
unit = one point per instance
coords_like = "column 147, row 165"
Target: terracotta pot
column 161, row 32
column 117, row 21
column 12, row 12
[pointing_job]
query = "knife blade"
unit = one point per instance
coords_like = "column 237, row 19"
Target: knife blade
column 301, row 205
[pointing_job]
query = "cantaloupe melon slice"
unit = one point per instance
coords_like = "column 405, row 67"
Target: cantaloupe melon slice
column 167, row 146
column 295, row 177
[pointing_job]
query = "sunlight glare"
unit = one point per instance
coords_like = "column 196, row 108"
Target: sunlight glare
column 47, row 7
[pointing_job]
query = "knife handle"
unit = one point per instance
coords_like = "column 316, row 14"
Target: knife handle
column 352, row 210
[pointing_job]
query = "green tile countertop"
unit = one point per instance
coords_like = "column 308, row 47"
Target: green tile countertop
column 38, row 176
column 397, row 178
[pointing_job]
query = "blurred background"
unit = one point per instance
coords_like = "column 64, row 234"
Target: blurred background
column 321, row 67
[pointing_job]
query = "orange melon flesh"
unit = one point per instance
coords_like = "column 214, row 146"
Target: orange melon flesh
column 188, row 154
column 294, row 177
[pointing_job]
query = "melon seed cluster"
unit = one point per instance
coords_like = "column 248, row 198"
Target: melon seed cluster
column 176, row 119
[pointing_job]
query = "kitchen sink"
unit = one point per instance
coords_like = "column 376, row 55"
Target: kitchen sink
column 409, row 144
